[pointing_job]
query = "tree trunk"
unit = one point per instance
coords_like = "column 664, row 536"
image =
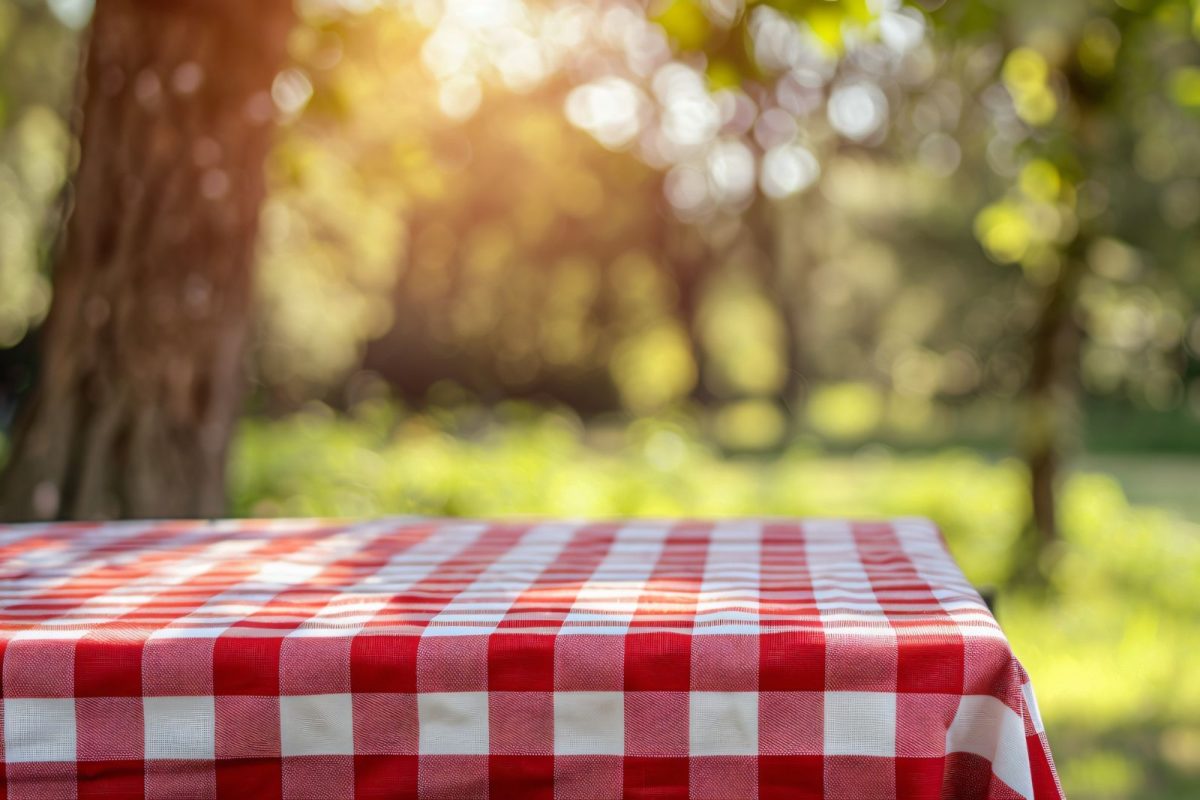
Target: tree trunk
column 1052, row 357
column 142, row 352
column 777, row 276
column 1052, row 389
column 688, row 263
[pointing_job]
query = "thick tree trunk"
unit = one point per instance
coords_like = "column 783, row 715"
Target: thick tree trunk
column 142, row 352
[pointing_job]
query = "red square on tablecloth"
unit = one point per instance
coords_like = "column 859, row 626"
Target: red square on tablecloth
column 260, row 778
column 933, row 665
column 659, row 661
column 791, row 777
column 383, row 663
column 109, row 779
column 521, row 662
column 527, row 777
column 656, row 778
column 1040, row 768
column 378, row 777
column 246, row 664
column 920, row 778
column 967, row 775
column 108, row 666
column 791, row 661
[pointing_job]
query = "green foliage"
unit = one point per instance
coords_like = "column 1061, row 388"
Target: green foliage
column 685, row 23
column 721, row 29
column 37, row 56
column 464, row 463
column 1111, row 648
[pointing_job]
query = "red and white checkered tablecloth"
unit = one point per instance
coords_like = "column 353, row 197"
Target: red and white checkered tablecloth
column 410, row 658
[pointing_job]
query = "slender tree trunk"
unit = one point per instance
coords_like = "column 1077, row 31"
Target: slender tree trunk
column 142, row 352
column 793, row 381
column 1053, row 355
column 1052, row 390
column 688, row 263
column 764, row 220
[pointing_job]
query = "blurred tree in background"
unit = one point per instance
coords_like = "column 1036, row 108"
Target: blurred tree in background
column 686, row 257
column 790, row 251
column 1105, row 237
column 140, row 360
column 878, row 302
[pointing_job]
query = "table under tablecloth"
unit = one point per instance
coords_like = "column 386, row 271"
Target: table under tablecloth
column 422, row 658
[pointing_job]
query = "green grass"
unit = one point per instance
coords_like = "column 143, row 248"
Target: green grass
column 1113, row 646
column 1166, row 480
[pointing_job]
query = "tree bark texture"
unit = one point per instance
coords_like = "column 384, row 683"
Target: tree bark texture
column 142, row 352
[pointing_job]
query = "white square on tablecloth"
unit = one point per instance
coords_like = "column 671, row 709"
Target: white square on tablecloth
column 453, row 723
column 316, row 725
column 39, row 729
column 1035, row 714
column 589, row 723
column 987, row 727
column 724, row 723
column 179, row 727
column 860, row 724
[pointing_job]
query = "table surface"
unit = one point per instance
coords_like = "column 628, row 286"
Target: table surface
column 411, row 657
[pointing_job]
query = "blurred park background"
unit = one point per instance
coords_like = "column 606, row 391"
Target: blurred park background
column 607, row 258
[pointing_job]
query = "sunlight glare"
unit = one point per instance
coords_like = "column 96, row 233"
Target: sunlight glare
column 687, row 191
column 902, row 30
column 787, row 170
column 459, row 96
column 690, row 116
column 731, row 171
column 858, row 110
column 609, row 109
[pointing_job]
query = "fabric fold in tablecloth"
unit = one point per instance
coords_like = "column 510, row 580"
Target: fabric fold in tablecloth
column 423, row 658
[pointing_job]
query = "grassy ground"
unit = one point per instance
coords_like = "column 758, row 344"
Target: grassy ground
column 1166, row 481
column 1113, row 646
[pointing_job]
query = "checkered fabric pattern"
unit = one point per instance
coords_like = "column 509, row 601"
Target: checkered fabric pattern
column 410, row 658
